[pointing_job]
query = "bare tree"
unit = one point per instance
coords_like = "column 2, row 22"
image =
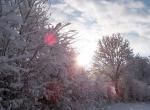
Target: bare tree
column 112, row 55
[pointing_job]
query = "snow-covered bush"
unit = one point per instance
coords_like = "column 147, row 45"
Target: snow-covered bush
column 33, row 53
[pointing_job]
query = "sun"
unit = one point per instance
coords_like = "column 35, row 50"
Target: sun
column 83, row 60
column 86, row 52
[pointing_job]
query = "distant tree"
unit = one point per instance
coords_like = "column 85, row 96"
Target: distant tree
column 111, row 57
column 139, row 67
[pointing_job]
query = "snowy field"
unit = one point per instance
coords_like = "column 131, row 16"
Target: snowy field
column 131, row 106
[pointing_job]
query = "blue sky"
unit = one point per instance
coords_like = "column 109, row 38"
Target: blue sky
column 96, row 18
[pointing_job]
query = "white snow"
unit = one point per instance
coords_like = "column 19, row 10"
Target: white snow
column 129, row 106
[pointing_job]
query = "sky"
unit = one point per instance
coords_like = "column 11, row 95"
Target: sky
column 94, row 19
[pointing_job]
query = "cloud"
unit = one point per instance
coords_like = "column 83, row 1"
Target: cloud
column 96, row 18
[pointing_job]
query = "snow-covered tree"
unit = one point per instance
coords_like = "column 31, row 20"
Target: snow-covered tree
column 139, row 68
column 111, row 56
column 136, row 80
column 33, row 55
column 10, row 44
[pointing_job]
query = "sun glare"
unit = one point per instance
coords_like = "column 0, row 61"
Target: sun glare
column 83, row 60
column 85, row 57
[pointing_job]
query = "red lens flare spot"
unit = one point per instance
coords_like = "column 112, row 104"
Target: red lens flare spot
column 50, row 39
column 53, row 92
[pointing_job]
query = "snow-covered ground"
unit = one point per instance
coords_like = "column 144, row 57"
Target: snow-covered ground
column 131, row 106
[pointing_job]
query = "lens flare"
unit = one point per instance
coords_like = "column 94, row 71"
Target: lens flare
column 50, row 39
column 53, row 91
